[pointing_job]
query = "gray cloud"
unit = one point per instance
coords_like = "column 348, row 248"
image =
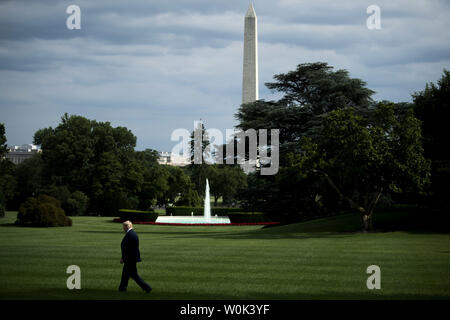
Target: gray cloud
column 154, row 66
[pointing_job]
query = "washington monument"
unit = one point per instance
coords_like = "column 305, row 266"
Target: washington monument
column 250, row 70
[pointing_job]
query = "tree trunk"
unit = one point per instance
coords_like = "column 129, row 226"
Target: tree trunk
column 366, row 222
column 366, row 218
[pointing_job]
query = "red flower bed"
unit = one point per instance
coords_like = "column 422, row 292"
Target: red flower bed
column 199, row 224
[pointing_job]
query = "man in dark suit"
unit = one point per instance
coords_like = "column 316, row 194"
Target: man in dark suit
column 131, row 256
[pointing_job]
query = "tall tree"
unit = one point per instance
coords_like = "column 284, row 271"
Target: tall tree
column 7, row 173
column 200, row 145
column 200, row 158
column 92, row 157
column 360, row 158
column 3, row 146
column 317, row 88
column 308, row 92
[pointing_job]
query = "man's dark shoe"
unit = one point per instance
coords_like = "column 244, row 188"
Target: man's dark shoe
column 148, row 290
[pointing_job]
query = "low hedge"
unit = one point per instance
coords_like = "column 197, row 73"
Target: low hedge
column 198, row 211
column 248, row 217
column 137, row 215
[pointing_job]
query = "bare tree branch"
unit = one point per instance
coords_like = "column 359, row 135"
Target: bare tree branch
column 352, row 203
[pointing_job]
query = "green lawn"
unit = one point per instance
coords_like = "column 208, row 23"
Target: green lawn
column 313, row 260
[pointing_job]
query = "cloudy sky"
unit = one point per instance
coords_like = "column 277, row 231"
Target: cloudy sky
column 158, row 65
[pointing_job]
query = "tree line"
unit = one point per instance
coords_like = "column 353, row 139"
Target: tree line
column 341, row 150
column 93, row 168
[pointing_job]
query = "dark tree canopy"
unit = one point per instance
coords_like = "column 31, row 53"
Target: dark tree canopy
column 309, row 92
column 360, row 159
column 338, row 148
column 226, row 181
column 7, row 177
column 432, row 107
column 92, row 167
column 78, row 148
column 92, row 157
column 3, row 146
column 318, row 89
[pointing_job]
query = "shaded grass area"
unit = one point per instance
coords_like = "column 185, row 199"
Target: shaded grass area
column 319, row 259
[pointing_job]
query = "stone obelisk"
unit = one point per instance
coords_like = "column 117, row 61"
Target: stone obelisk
column 250, row 70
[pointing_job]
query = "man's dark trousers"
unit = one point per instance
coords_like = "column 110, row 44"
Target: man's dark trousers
column 130, row 270
column 130, row 256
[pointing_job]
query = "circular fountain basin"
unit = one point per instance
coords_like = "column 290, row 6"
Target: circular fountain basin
column 192, row 220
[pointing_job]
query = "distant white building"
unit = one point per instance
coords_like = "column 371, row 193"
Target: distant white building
column 172, row 159
column 17, row 154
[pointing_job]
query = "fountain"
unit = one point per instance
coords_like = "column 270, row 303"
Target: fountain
column 206, row 219
column 207, row 204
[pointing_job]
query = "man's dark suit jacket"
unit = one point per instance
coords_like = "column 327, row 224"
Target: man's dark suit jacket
column 130, row 247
